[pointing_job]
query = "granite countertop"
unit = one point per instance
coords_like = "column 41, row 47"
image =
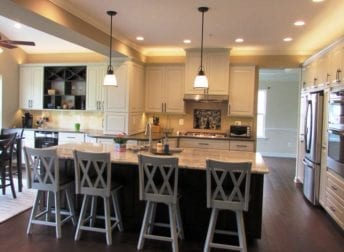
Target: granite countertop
column 138, row 136
column 189, row 158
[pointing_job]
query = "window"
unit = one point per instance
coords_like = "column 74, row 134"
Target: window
column 261, row 113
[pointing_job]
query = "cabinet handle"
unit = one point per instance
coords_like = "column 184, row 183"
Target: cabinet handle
column 334, row 188
column 70, row 137
column 203, row 144
column 97, row 105
column 165, row 106
column 339, row 75
column 162, row 107
column 332, row 209
column 327, row 78
column 102, row 105
column 315, row 81
column 241, row 146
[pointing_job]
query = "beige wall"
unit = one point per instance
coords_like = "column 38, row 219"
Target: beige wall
column 9, row 69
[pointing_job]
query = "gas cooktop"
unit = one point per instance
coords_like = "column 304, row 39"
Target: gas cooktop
column 205, row 134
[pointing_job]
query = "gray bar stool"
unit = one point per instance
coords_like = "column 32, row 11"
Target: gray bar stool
column 43, row 173
column 93, row 179
column 158, row 178
column 225, row 192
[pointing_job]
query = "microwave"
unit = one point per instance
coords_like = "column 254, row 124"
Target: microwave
column 240, row 131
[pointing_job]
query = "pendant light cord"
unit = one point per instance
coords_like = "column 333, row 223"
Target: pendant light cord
column 110, row 66
column 202, row 41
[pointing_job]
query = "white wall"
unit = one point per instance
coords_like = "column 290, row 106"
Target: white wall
column 9, row 69
column 281, row 113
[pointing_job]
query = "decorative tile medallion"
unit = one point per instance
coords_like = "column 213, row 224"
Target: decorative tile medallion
column 207, row 119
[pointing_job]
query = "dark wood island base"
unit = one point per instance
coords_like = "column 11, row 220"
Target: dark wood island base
column 195, row 214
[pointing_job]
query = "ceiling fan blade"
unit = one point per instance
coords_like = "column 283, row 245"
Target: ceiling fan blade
column 16, row 42
column 6, row 45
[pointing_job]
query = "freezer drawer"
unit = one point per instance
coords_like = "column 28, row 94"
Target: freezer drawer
column 311, row 182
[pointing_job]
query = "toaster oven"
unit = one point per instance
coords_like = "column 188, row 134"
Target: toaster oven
column 240, row 131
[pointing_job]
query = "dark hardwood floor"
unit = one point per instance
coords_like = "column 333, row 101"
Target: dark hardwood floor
column 289, row 224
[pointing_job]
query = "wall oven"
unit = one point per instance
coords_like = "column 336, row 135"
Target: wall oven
column 335, row 155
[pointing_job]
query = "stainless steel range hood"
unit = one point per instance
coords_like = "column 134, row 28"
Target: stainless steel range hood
column 205, row 98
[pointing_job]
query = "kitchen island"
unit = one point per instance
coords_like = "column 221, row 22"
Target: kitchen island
column 192, row 187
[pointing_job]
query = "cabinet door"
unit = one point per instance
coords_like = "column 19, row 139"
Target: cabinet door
column 192, row 64
column 115, row 123
column 174, row 89
column 25, row 88
column 218, row 70
column 337, row 63
column 242, row 91
column 31, row 87
column 154, row 88
column 94, row 87
column 241, row 146
column 28, row 141
column 137, row 89
column 116, row 98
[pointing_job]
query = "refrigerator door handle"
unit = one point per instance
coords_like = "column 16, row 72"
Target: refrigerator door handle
column 308, row 130
column 307, row 164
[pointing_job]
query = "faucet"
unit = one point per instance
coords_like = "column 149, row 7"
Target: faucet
column 149, row 132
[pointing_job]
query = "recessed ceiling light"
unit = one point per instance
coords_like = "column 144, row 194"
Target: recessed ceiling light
column 139, row 38
column 17, row 25
column 239, row 40
column 299, row 23
column 187, row 41
column 318, row 1
column 1, row 50
column 288, row 39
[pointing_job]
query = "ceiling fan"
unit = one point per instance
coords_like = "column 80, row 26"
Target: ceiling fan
column 11, row 44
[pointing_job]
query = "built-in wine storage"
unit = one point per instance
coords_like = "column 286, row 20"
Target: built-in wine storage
column 64, row 87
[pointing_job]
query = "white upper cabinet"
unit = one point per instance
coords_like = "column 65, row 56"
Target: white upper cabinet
column 336, row 63
column 31, row 87
column 242, row 90
column 136, row 88
column 165, row 88
column 216, row 67
column 94, row 87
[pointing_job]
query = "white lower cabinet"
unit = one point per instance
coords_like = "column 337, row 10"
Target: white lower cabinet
column 334, row 201
column 71, row 137
column 241, row 145
column 204, row 143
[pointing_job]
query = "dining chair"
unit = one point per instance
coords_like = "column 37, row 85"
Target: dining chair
column 17, row 151
column 6, row 154
column 158, row 183
column 44, row 174
column 93, row 179
column 228, row 188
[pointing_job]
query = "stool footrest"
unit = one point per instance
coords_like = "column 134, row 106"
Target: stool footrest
column 158, row 237
column 225, row 232
column 224, row 246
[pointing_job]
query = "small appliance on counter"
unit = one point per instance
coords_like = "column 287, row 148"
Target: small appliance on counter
column 27, row 119
column 240, row 131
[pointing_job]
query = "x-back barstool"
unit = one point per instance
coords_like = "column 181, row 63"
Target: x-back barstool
column 228, row 187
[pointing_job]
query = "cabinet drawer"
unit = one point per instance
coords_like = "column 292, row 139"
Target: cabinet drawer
column 66, row 137
column 203, row 143
column 241, row 146
column 334, row 208
column 105, row 140
column 336, row 185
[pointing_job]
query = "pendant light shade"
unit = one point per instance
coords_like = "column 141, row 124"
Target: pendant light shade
column 110, row 78
column 201, row 80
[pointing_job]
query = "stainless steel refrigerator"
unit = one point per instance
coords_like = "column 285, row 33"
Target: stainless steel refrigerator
column 313, row 135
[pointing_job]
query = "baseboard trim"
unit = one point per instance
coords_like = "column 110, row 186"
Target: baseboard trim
column 275, row 154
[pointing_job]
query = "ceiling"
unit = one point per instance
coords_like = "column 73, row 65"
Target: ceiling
column 164, row 24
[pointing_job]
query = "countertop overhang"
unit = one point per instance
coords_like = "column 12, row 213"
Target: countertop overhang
column 189, row 158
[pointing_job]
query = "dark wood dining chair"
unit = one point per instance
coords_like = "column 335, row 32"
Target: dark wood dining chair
column 6, row 154
column 17, row 151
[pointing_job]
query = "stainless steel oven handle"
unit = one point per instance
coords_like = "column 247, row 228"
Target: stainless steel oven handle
column 306, row 164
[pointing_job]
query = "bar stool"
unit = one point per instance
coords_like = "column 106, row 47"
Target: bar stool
column 43, row 174
column 6, row 155
column 93, row 179
column 158, row 179
column 225, row 191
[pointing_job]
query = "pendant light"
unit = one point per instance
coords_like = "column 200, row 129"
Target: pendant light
column 201, row 80
column 110, row 78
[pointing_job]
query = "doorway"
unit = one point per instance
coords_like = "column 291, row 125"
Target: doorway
column 277, row 113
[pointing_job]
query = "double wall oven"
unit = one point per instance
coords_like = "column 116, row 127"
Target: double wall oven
column 335, row 156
